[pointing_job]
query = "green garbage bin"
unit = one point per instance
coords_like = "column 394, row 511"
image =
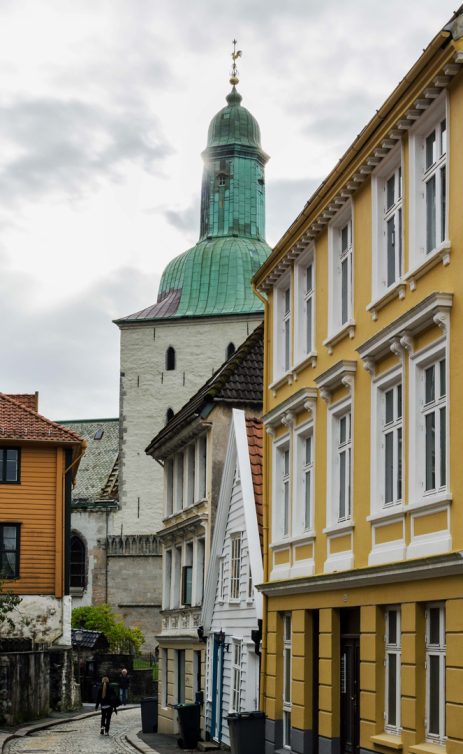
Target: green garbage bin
column 188, row 718
column 247, row 732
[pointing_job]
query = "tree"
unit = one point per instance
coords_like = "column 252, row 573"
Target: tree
column 101, row 618
column 8, row 603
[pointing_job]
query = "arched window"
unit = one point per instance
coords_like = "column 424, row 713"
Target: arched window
column 170, row 359
column 169, row 414
column 230, row 350
column 77, row 562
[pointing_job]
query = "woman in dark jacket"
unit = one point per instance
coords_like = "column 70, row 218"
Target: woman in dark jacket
column 106, row 697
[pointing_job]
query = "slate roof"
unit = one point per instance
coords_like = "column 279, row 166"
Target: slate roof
column 238, row 381
column 86, row 639
column 97, row 478
column 254, row 432
column 19, row 422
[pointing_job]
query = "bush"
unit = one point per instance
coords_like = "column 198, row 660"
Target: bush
column 122, row 640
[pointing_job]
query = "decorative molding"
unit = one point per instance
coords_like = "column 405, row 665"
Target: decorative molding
column 348, row 382
column 325, row 394
column 291, row 405
column 442, row 320
column 369, row 365
column 396, row 347
column 288, row 419
column 310, row 405
column 133, row 545
column 407, row 342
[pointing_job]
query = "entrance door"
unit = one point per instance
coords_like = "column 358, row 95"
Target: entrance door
column 217, row 686
column 350, row 681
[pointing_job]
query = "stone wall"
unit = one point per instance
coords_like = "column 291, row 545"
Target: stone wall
column 91, row 524
column 42, row 618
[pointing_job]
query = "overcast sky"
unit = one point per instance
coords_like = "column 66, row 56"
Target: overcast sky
column 104, row 109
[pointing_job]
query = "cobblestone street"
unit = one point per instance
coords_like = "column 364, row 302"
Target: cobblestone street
column 81, row 737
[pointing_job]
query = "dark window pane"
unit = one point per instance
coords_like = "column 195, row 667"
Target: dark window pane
column 443, row 443
column 400, row 182
column 434, row 693
column 308, row 450
column 342, row 430
column 389, row 406
column 430, row 149
column 309, row 325
column 390, row 192
column 287, row 689
column 431, row 214
column 392, row 627
column 434, row 625
column 399, row 401
column 287, row 301
column 344, row 239
column 443, row 202
column 430, row 431
column 442, row 385
column 430, row 390
column 399, row 258
column 392, row 689
column 391, row 251
column 344, row 291
column 307, row 500
column 287, row 343
column 12, row 456
column 399, row 464
column 389, row 468
column 443, row 137
column 308, row 278
column 342, row 486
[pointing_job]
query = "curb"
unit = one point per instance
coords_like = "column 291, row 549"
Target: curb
column 139, row 745
column 21, row 732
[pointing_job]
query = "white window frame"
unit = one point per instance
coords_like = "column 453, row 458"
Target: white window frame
column 250, row 582
column 221, row 582
column 382, row 214
column 303, row 524
column 435, row 650
column 282, row 317
column 380, row 387
column 336, row 413
column 281, row 511
column 392, row 658
column 167, row 571
column 304, row 298
column 234, row 581
column 287, row 675
column 169, row 486
column 419, row 362
column 338, row 255
column 165, row 677
column 236, row 670
column 419, row 176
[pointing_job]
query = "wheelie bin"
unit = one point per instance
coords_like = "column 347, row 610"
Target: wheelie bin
column 247, row 732
column 188, row 718
column 149, row 714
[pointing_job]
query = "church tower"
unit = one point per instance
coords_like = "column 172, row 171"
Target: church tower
column 204, row 310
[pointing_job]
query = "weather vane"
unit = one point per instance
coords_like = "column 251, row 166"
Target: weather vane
column 234, row 71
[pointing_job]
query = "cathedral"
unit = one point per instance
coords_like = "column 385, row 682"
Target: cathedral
column 204, row 310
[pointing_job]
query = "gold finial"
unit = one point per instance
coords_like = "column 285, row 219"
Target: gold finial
column 234, row 80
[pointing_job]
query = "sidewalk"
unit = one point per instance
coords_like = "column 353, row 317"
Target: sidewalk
column 156, row 743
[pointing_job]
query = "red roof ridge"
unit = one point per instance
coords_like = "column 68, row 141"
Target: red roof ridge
column 73, row 436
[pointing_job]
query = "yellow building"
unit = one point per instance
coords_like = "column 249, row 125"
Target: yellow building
column 363, row 407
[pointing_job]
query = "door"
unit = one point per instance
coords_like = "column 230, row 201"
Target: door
column 217, row 688
column 315, row 684
column 350, row 682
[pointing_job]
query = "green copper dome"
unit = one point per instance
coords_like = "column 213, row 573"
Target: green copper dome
column 234, row 125
column 214, row 277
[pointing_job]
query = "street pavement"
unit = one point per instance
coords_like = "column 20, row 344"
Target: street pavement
column 80, row 734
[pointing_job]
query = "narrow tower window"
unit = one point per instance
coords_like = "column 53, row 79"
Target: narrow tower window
column 170, row 359
column 169, row 414
column 230, row 350
column 77, row 562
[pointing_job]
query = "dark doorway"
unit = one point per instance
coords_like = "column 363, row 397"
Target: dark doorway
column 350, row 681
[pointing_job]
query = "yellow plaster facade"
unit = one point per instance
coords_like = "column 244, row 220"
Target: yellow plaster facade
column 363, row 407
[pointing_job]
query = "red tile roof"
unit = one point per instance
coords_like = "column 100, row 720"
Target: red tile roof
column 255, row 442
column 30, row 400
column 19, row 422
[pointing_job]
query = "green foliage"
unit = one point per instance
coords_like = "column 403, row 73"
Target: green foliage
column 8, row 603
column 102, row 618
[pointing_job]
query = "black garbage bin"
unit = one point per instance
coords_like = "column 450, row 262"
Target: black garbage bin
column 247, row 732
column 149, row 714
column 188, row 718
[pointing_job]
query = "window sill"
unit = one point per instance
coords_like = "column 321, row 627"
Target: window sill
column 392, row 293
column 77, row 591
column 441, row 254
column 347, row 331
column 342, row 528
column 298, row 539
column 387, row 513
column 388, row 740
column 284, row 379
column 427, row 503
column 309, row 360
column 427, row 748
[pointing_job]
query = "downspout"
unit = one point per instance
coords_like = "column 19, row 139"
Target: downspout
column 263, row 656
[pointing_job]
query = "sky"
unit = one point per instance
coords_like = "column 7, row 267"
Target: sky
column 104, row 109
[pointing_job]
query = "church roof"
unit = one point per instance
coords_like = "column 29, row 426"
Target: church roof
column 239, row 381
column 210, row 279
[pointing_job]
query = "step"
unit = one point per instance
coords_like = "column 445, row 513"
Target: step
column 208, row 746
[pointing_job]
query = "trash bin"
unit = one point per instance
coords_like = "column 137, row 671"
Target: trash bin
column 247, row 732
column 188, row 718
column 149, row 714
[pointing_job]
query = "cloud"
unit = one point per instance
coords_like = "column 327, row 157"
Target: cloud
column 285, row 199
column 67, row 147
column 69, row 352
column 186, row 220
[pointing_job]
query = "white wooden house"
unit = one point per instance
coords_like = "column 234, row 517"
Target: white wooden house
column 232, row 607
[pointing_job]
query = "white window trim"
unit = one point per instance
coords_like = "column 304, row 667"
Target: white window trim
column 378, row 388
column 279, row 446
column 335, row 412
column 395, row 650
column 439, row 650
column 233, row 577
column 299, row 527
column 165, row 678
column 300, row 298
column 279, row 370
column 417, row 217
column 287, row 703
column 235, row 675
column 418, row 362
column 221, row 580
column 379, row 248
column 335, row 324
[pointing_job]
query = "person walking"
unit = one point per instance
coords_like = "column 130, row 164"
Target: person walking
column 107, row 699
column 124, row 683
